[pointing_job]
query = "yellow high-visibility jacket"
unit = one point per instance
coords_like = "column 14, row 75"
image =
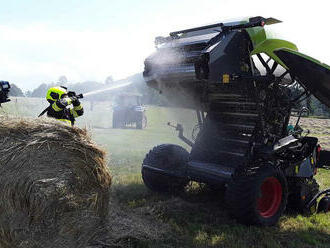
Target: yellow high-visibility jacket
column 59, row 110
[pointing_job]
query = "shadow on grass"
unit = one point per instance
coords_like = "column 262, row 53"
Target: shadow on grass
column 207, row 224
column 198, row 218
column 194, row 193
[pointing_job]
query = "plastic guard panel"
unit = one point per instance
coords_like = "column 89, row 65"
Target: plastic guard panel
column 224, row 141
column 311, row 73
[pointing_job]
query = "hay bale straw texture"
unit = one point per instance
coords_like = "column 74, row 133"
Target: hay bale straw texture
column 54, row 184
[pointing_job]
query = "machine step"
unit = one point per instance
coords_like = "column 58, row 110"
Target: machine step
column 213, row 172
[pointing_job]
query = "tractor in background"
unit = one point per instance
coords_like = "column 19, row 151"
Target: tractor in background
column 128, row 111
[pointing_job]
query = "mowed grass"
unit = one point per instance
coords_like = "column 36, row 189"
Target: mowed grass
column 197, row 217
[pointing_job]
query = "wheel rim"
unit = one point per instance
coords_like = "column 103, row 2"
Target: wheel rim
column 271, row 196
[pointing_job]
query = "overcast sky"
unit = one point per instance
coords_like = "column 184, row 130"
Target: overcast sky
column 41, row 40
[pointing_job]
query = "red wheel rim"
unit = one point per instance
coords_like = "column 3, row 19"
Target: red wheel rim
column 271, row 196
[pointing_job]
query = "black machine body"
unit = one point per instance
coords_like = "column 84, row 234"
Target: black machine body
column 242, row 94
column 4, row 91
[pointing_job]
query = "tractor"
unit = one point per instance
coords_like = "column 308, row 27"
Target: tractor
column 128, row 110
column 239, row 81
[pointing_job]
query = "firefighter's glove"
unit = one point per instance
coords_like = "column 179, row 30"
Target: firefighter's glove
column 75, row 101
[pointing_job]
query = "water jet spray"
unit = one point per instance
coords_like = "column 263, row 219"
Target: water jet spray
column 113, row 87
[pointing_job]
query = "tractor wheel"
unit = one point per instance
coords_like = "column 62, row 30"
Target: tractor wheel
column 258, row 199
column 170, row 158
column 301, row 191
column 324, row 205
column 141, row 124
column 114, row 121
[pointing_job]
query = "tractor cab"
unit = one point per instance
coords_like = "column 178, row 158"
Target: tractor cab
column 127, row 100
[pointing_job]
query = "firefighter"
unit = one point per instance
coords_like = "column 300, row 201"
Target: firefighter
column 60, row 100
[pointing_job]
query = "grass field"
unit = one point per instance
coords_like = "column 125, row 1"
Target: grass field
column 197, row 217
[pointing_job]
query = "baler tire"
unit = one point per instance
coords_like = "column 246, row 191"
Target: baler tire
column 324, row 205
column 171, row 158
column 301, row 191
column 218, row 189
column 258, row 199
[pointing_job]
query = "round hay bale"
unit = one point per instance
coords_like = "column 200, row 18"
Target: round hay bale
column 54, row 184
